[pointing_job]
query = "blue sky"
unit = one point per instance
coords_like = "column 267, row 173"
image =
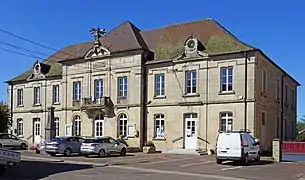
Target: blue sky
column 276, row 27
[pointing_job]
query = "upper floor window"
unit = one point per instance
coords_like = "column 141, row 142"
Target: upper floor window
column 98, row 88
column 20, row 127
column 277, row 90
column 19, row 97
column 191, row 82
column 122, row 87
column 226, row 79
column 77, row 91
column 55, row 94
column 286, row 93
column 36, row 95
column 264, row 81
column 226, row 121
column 159, row 84
column 159, row 126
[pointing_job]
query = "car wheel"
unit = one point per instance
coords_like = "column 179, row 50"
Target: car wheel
column 258, row 158
column 123, row 152
column 101, row 153
column 23, row 146
column 218, row 161
column 67, row 152
column 246, row 160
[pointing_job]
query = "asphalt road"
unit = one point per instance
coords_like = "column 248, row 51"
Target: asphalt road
column 149, row 167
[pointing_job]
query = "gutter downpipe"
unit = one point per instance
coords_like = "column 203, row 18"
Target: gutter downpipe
column 246, row 91
column 11, row 98
column 207, row 104
column 282, row 106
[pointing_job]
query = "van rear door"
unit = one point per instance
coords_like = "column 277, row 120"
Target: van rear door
column 229, row 145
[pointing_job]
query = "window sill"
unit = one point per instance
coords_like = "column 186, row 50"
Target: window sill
column 36, row 105
column 191, row 95
column 131, row 136
column 159, row 97
column 56, row 103
column 159, row 139
column 226, row 92
column 20, row 106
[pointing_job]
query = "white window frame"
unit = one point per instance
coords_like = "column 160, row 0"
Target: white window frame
column 227, row 118
column 159, row 128
column 57, row 126
column 191, row 86
column 37, row 94
column 125, row 89
column 77, row 126
column 227, row 83
column 56, row 94
column 122, row 122
column 99, row 88
column 264, row 81
column 77, row 90
column 19, row 97
column 160, row 83
column 20, row 127
column 99, row 118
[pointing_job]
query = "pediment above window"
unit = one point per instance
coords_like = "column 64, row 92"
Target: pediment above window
column 97, row 52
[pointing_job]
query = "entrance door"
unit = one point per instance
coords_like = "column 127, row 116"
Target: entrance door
column 190, row 133
column 99, row 125
column 37, row 131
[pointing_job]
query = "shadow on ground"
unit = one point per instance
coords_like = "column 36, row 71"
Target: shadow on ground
column 261, row 162
column 36, row 170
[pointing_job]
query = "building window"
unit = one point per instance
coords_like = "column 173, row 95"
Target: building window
column 37, row 127
column 19, row 127
column 122, row 87
column 56, row 123
column 98, row 88
column 226, row 79
column 159, row 84
column 264, row 81
column 36, row 95
column 98, row 124
column 77, row 91
column 159, row 126
column 19, row 97
column 277, row 90
column 55, row 94
column 123, row 125
column 77, row 126
column 226, row 121
column 191, row 81
column 286, row 94
column 263, row 118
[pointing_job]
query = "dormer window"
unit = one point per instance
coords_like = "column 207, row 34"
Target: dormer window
column 37, row 68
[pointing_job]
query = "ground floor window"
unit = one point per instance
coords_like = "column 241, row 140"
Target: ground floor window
column 56, row 123
column 77, row 126
column 122, row 125
column 37, row 128
column 20, row 127
column 99, row 125
column 226, row 121
column 159, row 126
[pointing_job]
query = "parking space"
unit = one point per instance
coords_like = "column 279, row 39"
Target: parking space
column 203, row 165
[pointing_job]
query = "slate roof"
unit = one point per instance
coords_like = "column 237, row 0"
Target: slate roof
column 165, row 43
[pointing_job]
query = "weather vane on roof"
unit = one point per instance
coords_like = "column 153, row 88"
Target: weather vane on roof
column 97, row 33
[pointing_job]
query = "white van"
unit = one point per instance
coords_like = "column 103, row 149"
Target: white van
column 237, row 146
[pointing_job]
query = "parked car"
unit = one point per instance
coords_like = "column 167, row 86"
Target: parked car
column 102, row 146
column 9, row 140
column 237, row 146
column 8, row 159
column 64, row 145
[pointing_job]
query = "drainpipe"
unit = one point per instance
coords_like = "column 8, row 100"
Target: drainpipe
column 282, row 106
column 66, row 98
column 11, row 98
column 246, row 90
column 206, row 106
column 45, row 109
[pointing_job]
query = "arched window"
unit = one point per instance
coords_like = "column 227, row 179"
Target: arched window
column 226, row 121
column 77, row 125
column 99, row 125
column 122, row 125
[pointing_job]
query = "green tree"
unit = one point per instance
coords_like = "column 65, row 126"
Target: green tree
column 300, row 127
column 5, row 117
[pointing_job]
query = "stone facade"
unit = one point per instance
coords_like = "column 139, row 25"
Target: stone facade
column 181, row 102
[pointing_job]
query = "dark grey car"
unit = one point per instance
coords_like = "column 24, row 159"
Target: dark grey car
column 64, row 145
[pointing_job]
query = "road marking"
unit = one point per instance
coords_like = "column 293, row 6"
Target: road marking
column 195, row 164
column 177, row 172
column 231, row 168
column 169, row 160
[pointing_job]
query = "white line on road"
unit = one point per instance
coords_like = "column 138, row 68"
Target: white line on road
column 196, row 164
column 231, row 168
column 165, row 161
column 205, row 176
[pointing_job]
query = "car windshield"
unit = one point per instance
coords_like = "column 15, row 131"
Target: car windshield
column 91, row 141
